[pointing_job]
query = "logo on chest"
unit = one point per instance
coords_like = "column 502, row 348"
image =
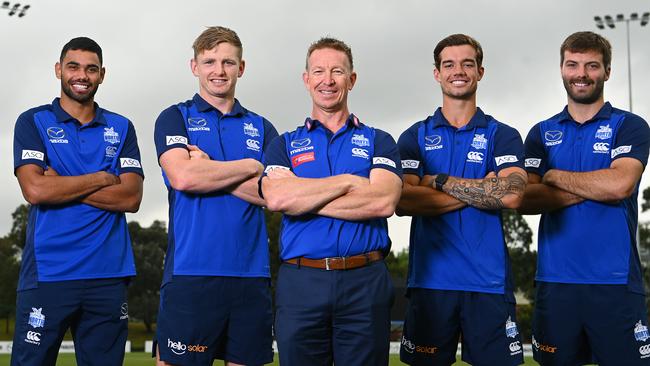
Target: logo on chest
column 301, row 152
column 474, row 157
column 360, row 140
column 604, row 133
column 111, row 136
column 360, row 153
column 433, row 142
column 111, row 151
column 252, row 144
column 251, row 130
column 601, row 148
column 197, row 124
column 553, row 137
column 479, row 142
column 300, row 145
column 57, row 135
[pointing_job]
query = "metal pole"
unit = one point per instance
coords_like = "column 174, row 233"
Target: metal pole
column 629, row 64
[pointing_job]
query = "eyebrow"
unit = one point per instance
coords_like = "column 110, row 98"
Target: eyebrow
column 75, row 63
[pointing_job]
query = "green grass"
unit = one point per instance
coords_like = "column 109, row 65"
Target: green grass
column 143, row 359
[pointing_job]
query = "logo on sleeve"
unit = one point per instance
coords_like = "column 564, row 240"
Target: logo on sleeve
column 553, row 137
column 505, row 159
column 360, row 153
column 36, row 318
column 474, row 157
column 32, row 154
column 302, row 158
column 111, row 151
column 251, row 130
column 197, row 124
column 604, row 132
column 433, row 142
column 621, row 150
column 601, row 148
column 360, row 140
column 253, row 145
column 383, row 161
column 111, row 136
column 301, row 145
column 479, row 142
column 57, row 135
column 532, row 163
column 129, row 163
column 173, row 140
column 410, row 164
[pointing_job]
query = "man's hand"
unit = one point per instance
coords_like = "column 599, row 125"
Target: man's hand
column 196, row 153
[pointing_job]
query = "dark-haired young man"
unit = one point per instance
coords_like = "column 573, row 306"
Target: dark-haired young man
column 215, row 301
column 78, row 166
column 584, row 166
column 461, row 168
column 336, row 180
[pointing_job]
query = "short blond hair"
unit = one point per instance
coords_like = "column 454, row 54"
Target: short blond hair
column 333, row 43
column 213, row 36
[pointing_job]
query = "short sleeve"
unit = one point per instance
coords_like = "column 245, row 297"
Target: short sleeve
column 535, row 160
column 409, row 151
column 386, row 155
column 130, row 156
column 276, row 155
column 632, row 139
column 28, row 145
column 170, row 131
column 508, row 148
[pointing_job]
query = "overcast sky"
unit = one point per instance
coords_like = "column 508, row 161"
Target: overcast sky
column 147, row 47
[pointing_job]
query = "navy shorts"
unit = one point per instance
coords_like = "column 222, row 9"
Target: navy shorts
column 435, row 319
column 95, row 310
column 340, row 317
column 576, row 324
column 203, row 318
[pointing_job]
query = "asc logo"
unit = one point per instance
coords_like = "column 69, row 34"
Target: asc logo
column 32, row 154
column 171, row 140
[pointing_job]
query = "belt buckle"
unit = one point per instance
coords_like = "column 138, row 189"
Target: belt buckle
column 327, row 263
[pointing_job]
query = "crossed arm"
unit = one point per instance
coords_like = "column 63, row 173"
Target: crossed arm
column 490, row 193
column 345, row 196
column 561, row 188
column 192, row 171
column 100, row 189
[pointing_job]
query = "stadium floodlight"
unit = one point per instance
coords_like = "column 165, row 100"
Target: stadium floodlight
column 645, row 18
column 611, row 23
column 15, row 9
column 599, row 22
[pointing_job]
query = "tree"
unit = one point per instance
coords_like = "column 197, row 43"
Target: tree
column 273, row 224
column 398, row 265
column 10, row 247
column 149, row 246
column 519, row 237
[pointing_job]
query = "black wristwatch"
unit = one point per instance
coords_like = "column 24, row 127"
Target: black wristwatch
column 440, row 181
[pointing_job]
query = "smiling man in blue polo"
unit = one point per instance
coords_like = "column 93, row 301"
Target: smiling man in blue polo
column 336, row 180
column 584, row 166
column 79, row 167
column 215, row 301
column 461, row 168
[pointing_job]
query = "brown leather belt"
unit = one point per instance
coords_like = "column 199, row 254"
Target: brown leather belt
column 338, row 263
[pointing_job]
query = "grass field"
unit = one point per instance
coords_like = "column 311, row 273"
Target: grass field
column 143, row 359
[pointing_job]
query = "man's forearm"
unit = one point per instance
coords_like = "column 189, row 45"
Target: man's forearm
column 489, row 193
column 426, row 201
column 123, row 197
column 297, row 196
column 248, row 191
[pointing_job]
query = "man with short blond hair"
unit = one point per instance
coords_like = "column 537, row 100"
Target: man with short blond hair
column 215, row 301
column 584, row 166
column 336, row 180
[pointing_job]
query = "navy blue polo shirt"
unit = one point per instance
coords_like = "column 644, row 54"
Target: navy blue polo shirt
column 590, row 242
column 75, row 241
column 464, row 249
column 214, row 234
column 313, row 151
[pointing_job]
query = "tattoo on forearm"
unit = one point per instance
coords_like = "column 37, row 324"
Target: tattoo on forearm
column 486, row 193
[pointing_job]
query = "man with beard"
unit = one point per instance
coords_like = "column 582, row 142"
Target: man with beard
column 584, row 166
column 461, row 168
column 78, row 166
